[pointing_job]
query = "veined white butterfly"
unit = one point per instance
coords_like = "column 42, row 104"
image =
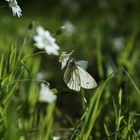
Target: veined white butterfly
column 75, row 75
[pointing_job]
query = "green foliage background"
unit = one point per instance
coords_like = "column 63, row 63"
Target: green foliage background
column 98, row 23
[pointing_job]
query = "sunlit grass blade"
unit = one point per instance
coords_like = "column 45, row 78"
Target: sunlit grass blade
column 132, row 81
column 107, row 132
column 76, row 128
column 49, row 121
column 112, row 134
column 3, row 118
column 24, row 45
column 24, row 65
column 123, row 56
column 12, row 61
column 12, row 89
column 1, row 65
column 93, row 110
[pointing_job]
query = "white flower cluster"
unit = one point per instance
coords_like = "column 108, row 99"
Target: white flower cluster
column 15, row 8
column 44, row 40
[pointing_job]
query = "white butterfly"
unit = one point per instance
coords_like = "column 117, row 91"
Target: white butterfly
column 75, row 75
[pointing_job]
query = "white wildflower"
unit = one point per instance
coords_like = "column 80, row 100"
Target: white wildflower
column 40, row 76
column 44, row 75
column 20, row 124
column 118, row 43
column 56, row 137
column 44, row 40
column 46, row 95
column 69, row 28
column 15, row 7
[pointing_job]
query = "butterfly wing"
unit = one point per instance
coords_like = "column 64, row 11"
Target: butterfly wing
column 64, row 58
column 71, row 77
column 82, row 63
column 86, row 80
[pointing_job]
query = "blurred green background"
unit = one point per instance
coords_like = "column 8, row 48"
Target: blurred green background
column 106, row 33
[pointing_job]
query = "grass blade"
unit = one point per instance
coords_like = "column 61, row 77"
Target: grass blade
column 93, row 110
